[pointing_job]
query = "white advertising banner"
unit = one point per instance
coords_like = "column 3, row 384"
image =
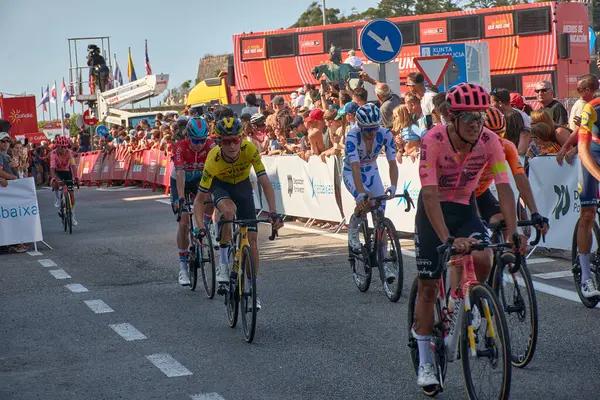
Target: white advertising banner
column 557, row 198
column 320, row 189
column 19, row 213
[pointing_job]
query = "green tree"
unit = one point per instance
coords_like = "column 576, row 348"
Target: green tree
column 476, row 4
column 394, row 8
column 596, row 15
column 313, row 15
column 427, row 7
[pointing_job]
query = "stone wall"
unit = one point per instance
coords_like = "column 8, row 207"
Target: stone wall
column 209, row 64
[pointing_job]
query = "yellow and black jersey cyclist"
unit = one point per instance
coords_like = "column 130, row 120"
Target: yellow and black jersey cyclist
column 226, row 177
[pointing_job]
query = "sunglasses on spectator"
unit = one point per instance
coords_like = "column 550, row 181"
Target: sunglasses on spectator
column 198, row 141
column 4, row 141
column 470, row 117
column 541, row 90
column 229, row 142
column 410, row 84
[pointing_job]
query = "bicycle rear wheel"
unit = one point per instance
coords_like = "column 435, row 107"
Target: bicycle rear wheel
column 360, row 263
column 437, row 337
column 69, row 213
column 594, row 265
column 488, row 372
column 63, row 214
column 518, row 300
column 208, row 266
column 390, row 259
column 249, row 293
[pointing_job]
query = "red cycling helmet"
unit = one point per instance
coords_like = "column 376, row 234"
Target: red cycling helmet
column 62, row 141
column 467, row 97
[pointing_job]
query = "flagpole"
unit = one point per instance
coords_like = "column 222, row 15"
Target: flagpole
column 49, row 106
column 43, row 110
column 56, row 100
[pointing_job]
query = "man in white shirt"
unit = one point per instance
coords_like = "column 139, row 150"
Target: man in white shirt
column 415, row 82
column 353, row 60
column 300, row 99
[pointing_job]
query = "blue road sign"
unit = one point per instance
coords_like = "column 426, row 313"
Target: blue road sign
column 102, row 130
column 459, row 55
column 381, row 41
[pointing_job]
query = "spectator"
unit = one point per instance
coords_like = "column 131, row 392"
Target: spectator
column 19, row 162
column 349, row 112
column 160, row 118
column 360, row 96
column 316, row 126
column 514, row 131
column 587, row 85
column 413, row 104
column 300, row 99
column 440, row 111
column 252, row 104
column 545, row 95
column 561, row 134
column 5, row 159
column 404, row 128
column 308, row 100
column 353, row 60
column 85, row 140
column 500, row 98
column 387, row 99
column 518, row 103
column 335, row 130
column 298, row 126
column 415, row 81
column 543, row 140
column 294, row 97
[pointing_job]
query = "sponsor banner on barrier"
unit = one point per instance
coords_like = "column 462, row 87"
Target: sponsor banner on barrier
column 19, row 213
column 151, row 161
column 107, row 168
column 557, row 197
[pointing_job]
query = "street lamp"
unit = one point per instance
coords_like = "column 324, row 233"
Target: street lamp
column 324, row 16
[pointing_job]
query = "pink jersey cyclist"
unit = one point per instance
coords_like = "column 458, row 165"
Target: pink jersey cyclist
column 62, row 162
column 457, row 180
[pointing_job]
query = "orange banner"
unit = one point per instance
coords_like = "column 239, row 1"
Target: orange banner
column 253, row 49
column 433, row 31
column 310, row 43
column 498, row 25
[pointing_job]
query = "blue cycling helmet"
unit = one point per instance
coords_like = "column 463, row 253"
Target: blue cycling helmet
column 368, row 116
column 197, row 128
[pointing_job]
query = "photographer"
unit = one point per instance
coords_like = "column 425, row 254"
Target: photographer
column 98, row 69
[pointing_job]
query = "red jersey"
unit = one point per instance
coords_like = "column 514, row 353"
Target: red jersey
column 188, row 160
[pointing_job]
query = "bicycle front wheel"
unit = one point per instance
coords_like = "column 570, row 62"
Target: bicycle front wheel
column 63, row 213
column 485, row 347
column 207, row 266
column 390, row 260
column 594, row 271
column 517, row 298
column 69, row 212
column 248, row 296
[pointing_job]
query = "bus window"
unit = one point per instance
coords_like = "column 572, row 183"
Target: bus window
column 281, row 46
column 465, row 28
column 409, row 32
column 536, row 20
column 340, row 37
column 508, row 82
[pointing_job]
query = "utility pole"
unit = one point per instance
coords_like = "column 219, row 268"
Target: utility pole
column 324, row 16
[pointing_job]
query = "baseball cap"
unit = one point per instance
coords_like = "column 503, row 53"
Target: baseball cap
column 278, row 100
column 4, row 135
column 294, row 95
column 516, row 100
column 297, row 121
column 349, row 107
column 315, row 115
column 301, row 90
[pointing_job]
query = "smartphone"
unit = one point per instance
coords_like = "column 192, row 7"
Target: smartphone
column 429, row 121
column 291, row 141
column 324, row 85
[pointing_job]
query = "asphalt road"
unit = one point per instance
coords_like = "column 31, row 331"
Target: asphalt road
column 317, row 336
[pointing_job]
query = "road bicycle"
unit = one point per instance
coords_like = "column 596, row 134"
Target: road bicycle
column 474, row 337
column 241, row 291
column 66, row 207
column 201, row 251
column 379, row 248
column 594, row 263
column 511, row 281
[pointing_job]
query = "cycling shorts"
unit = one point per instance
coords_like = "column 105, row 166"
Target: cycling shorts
column 462, row 221
column 240, row 193
column 66, row 177
column 370, row 179
column 190, row 186
column 588, row 185
column 488, row 205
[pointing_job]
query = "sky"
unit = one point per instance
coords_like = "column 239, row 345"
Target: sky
column 35, row 49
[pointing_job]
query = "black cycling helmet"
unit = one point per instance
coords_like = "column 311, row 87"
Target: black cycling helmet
column 229, row 126
column 209, row 117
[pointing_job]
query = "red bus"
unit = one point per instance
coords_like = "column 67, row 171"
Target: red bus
column 527, row 43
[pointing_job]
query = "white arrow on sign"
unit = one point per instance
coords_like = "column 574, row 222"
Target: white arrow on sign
column 384, row 44
column 433, row 68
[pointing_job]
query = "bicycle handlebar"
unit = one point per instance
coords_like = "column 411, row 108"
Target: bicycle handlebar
column 501, row 226
column 245, row 223
column 405, row 195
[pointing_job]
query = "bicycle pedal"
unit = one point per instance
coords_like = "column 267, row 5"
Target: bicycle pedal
column 222, row 290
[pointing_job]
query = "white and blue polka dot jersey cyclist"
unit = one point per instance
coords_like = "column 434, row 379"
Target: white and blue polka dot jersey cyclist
column 356, row 151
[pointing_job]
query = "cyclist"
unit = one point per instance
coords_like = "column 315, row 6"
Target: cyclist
column 360, row 174
column 589, row 175
column 453, row 157
column 61, row 171
column 227, row 176
column 189, row 156
column 488, row 205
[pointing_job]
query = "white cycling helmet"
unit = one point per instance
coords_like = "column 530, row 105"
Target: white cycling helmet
column 368, row 116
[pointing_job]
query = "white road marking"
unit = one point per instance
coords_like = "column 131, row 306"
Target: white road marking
column 47, row 263
column 168, row 365
column 207, row 396
column 531, row 261
column 153, row 197
column 59, row 274
column 549, row 289
column 98, row 306
column 554, row 275
column 128, row 332
column 34, row 253
column 76, row 288
column 165, row 201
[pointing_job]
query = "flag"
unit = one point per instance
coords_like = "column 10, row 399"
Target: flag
column 45, row 97
column 64, row 92
column 130, row 68
column 53, row 94
column 148, row 67
column 117, row 75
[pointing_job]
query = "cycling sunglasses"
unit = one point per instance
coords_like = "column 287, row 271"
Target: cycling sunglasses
column 370, row 130
column 198, row 141
column 470, row 117
column 229, row 142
